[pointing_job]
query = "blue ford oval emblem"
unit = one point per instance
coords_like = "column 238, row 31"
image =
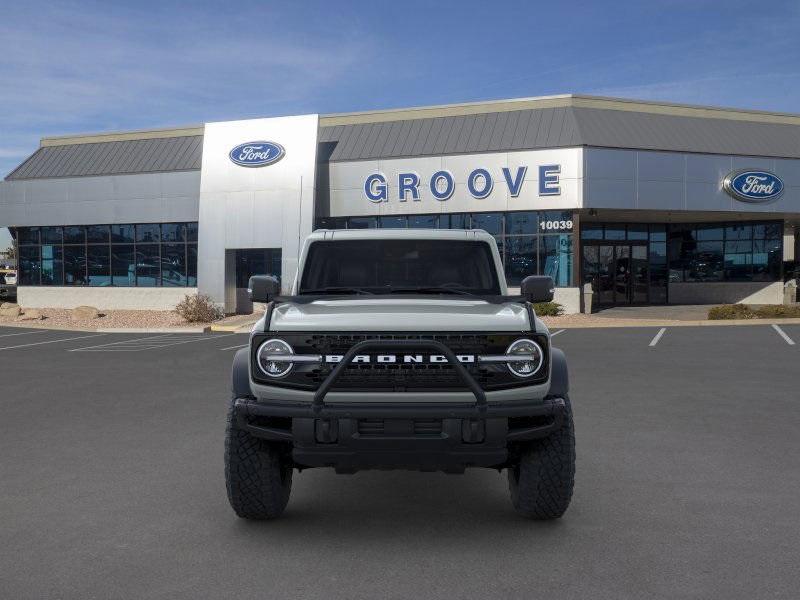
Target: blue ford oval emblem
column 753, row 186
column 257, row 154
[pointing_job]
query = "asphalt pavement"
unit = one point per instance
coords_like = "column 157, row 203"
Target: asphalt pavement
column 688, row 486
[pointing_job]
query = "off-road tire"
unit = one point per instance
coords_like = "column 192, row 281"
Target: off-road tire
column 257, row 477
column 541, row 481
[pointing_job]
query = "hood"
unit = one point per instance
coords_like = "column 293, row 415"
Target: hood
column 396, row 314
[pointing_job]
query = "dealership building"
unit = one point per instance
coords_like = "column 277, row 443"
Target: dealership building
column 650, row 203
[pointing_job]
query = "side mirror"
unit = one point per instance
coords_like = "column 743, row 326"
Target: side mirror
column 538, row 288
column 263, row 288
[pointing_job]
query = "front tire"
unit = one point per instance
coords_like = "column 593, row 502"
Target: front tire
column 541, row 482
column 257, row 476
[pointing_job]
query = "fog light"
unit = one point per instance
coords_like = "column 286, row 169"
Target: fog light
column 530, row 359
column 269, row 365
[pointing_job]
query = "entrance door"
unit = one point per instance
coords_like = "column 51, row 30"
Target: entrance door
column 618, row 272
column 254, row 261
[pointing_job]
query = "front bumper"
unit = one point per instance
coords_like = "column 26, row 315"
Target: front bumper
column 355, row 436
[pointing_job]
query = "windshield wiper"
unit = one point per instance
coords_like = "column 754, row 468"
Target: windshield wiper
column 432, row 290
column 336, row 290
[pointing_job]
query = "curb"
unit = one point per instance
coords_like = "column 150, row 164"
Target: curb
column 666, row 323
column 154, row 330
column 228, row 328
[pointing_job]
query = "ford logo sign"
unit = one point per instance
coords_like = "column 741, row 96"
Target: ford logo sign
column 257, row 154
column 753, row 186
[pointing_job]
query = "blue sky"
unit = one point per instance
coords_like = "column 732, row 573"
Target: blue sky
column 74, row 67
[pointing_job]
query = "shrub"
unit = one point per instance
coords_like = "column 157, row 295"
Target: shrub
column 548, row 309
column 731, row 311
column 746, row 311
column 198, row 308
column 778, row 311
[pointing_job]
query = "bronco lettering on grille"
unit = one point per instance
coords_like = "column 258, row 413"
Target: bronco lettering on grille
column 399, row 358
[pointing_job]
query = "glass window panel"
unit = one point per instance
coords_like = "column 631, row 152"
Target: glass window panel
column 148, row 232
column 767, row 265
column 520, row 258
column 362, row 223
column 489, row 222
column 148, row 265
column 74, row 265
column 555, row 215
column 191, row 232
column 122, row 234
column 274, row 262
column 322, row 223
column 658, row 233
column 173, row 232
column 615, row 231
column 766, row 246
column 591, row 231
column 739, row 247
column 768, row 231
column 658, row 284
column 51, row 235
column 423, row 221
column 637, row 232
column 27, row 235
column 555, row 258
column 29, row 264
column 738, row 267
column 454, row 221
column 74, row 234
column 52, row 265
column 703, row 262
column 123, row 265
column 739, row 231
column 99, row 265
column 658, row 253
column 708, row 233
column 522, row 223
column 97, row 234
column 591, row 265
column 394, row 222
column 191, row 267
column 682, row 232
column 173, row 265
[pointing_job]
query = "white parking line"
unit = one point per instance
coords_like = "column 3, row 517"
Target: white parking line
column 83, row 337
column 152, row 343
column 234, row 347
column 782, row 333
column 555, row 333
column 25, row 333
column 121, row 342
column 658, row 337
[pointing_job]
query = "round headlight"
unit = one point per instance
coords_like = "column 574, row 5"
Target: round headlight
column 529, row 366
column 273, row 368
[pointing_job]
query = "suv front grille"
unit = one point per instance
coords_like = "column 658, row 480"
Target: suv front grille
column 400, row 376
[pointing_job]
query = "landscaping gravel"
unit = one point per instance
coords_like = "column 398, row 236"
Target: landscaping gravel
column 55, row 318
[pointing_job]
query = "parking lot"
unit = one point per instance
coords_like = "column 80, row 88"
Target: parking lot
column 688, row 486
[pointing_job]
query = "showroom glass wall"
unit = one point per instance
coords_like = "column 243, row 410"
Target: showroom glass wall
column 632, row 263
column 134, row 255
column 530, row 242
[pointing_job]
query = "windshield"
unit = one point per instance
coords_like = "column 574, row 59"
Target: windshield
column 400, row 266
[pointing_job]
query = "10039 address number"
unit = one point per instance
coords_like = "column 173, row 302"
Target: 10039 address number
column 565, row 225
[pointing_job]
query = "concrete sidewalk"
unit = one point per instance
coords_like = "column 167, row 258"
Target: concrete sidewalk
column 696, row 312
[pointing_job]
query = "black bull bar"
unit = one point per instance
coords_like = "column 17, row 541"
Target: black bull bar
column 360, row 347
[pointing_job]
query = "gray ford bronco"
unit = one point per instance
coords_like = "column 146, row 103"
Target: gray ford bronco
column 400, row 349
